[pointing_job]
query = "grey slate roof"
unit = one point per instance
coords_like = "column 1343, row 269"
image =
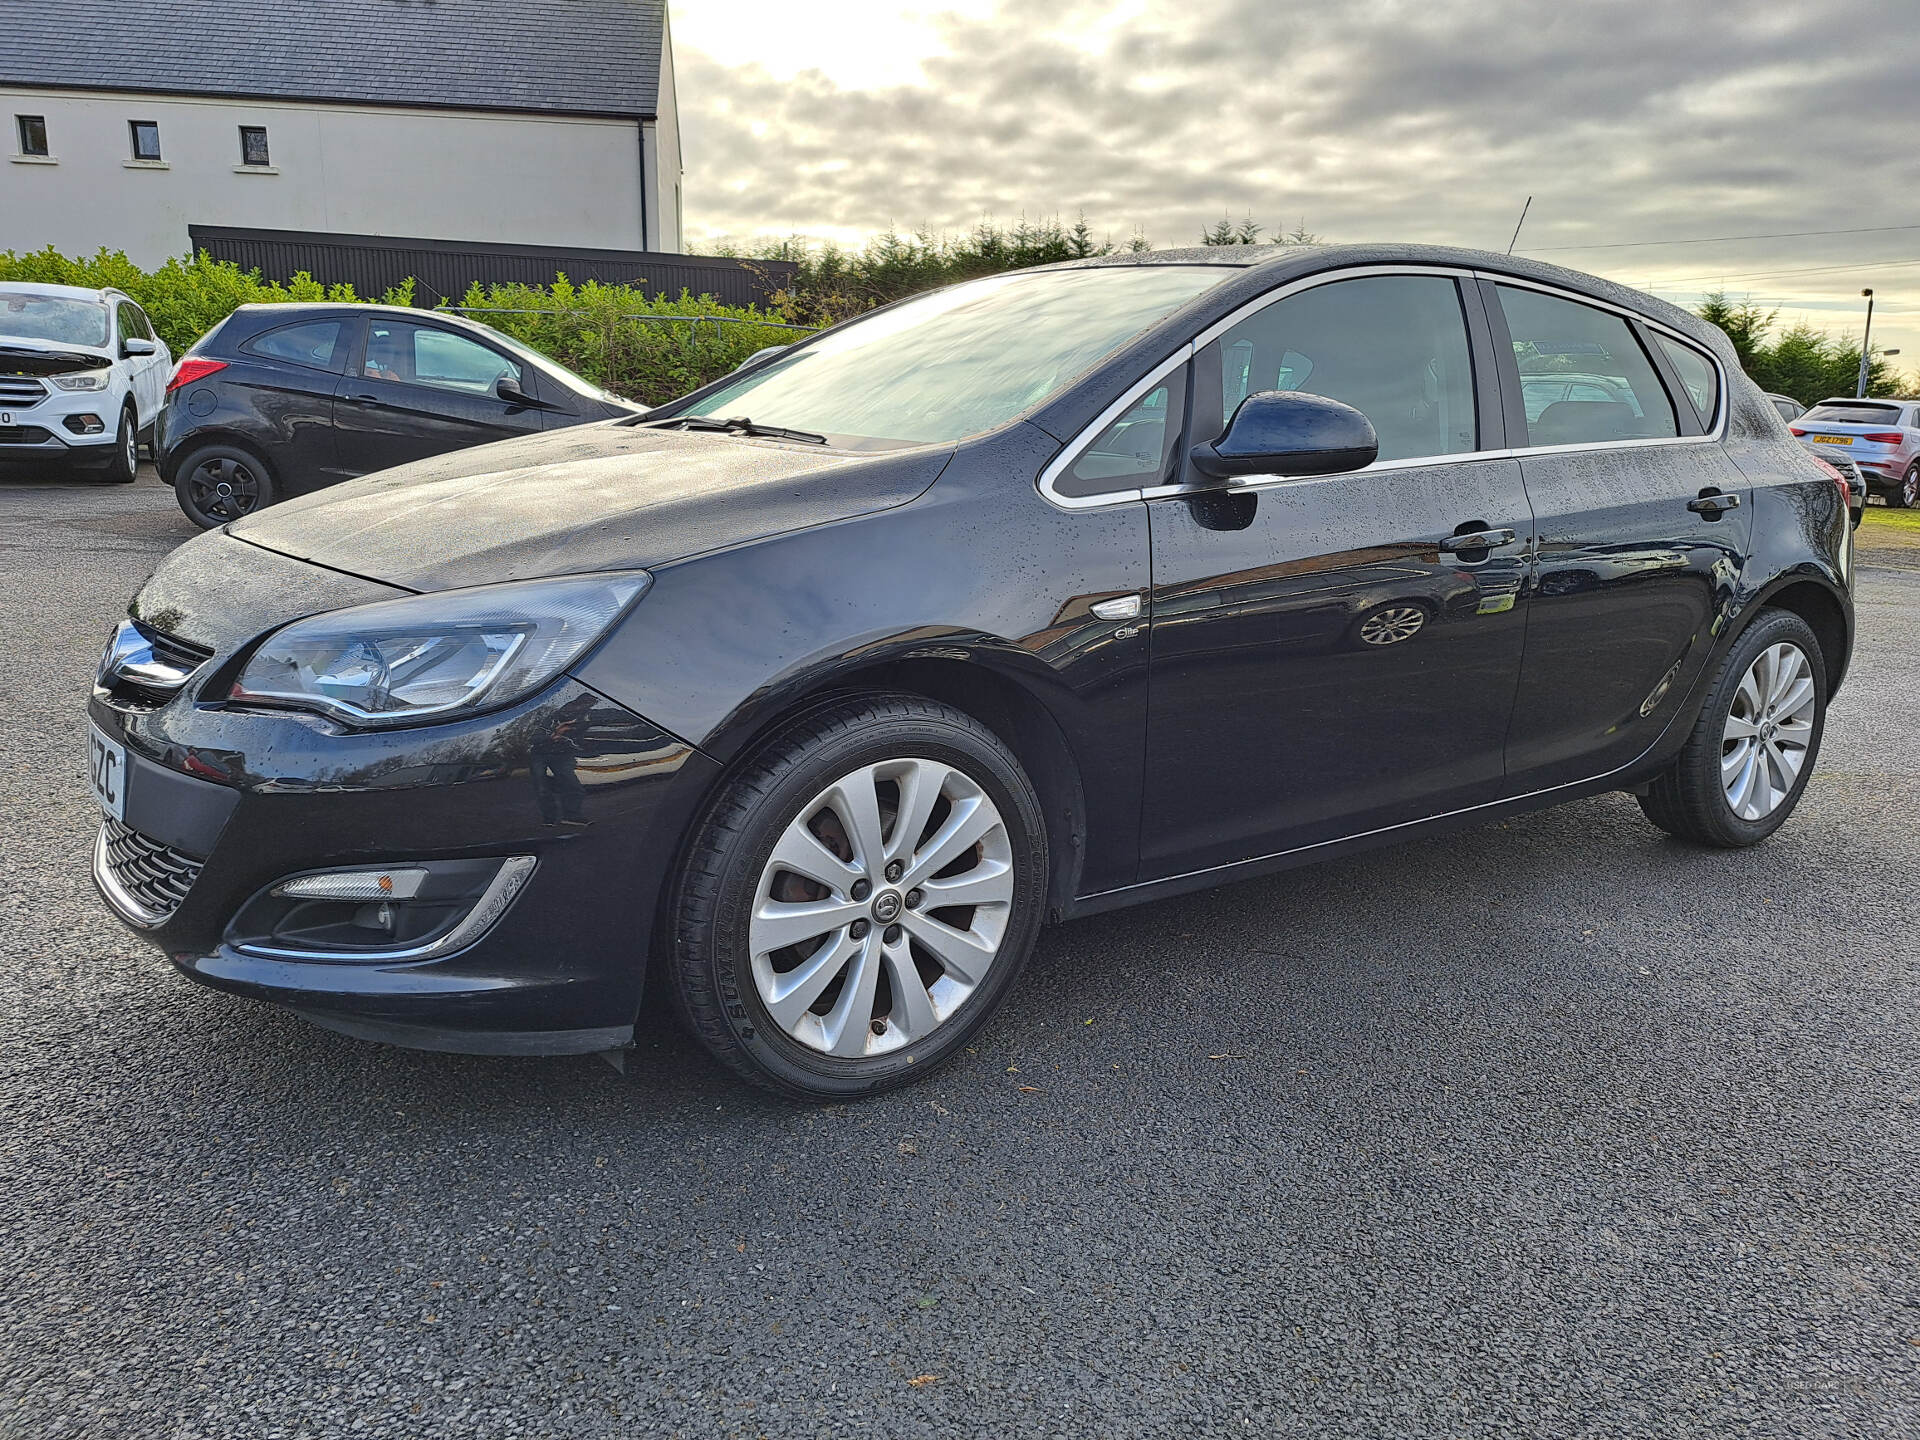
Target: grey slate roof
column 578, row 57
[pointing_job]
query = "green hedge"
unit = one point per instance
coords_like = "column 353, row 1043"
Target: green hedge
column 647, row 349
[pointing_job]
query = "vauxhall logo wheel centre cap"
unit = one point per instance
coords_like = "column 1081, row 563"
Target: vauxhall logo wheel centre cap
column 886, row 906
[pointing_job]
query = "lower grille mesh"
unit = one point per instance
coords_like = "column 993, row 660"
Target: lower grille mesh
column 157, row 877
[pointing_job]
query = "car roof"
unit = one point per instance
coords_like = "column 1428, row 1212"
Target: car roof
column 1862, row 400
column 62, row 292
column 330, row 308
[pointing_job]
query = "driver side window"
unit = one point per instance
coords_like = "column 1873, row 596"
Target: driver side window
column 1392, row 346
column 423, row 355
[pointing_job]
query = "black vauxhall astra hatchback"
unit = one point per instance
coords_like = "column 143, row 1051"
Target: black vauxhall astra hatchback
column 823, row 687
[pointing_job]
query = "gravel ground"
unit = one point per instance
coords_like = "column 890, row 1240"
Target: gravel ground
column 1552, row 1129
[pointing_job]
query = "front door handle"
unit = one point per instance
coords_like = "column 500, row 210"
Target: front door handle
column 1476, row 540
column 1713, row 504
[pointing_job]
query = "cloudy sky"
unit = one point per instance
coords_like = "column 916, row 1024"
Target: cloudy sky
column 1628, row 121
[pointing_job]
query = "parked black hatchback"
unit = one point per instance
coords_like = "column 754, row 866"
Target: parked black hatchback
column 819, row 690
column 280, row 400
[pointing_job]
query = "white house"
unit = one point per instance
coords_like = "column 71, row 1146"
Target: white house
column 482, row 120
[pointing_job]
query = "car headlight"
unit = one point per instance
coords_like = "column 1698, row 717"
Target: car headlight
column 428, row 657
column 85, row 380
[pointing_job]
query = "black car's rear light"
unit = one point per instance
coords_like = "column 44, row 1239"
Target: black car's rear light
column 190, row 369
column 420, row 910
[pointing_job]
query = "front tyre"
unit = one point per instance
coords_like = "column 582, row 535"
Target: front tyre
column 859, row 898
column 1752, row 751
column 124, row 463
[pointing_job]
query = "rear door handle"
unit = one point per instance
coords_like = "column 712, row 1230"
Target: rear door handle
column 1477, row 540
column 1714, row 504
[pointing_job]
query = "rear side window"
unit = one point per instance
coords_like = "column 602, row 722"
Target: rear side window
column 1555, row 339
column 1392, row 346
column 1697, row 376
column 1843, row 414
column 1135, row 451
column 314, row 343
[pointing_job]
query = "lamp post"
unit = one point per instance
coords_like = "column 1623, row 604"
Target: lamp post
column 1866, row 352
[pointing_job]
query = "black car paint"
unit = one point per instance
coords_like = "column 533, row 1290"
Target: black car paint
column 315, row 426
column 1233, row 730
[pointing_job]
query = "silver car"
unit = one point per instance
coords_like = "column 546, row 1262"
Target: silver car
column 1881, row 437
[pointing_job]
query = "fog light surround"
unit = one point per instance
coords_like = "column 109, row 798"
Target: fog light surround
column 85, row 424
column 422, row 910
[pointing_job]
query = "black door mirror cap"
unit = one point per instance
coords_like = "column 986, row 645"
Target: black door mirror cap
column 506, row 390
column 1289, row 432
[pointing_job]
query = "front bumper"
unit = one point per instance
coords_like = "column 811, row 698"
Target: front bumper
column 41, row 430
column 243, row 800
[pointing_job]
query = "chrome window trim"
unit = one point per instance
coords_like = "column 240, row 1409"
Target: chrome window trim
column 1074, row 448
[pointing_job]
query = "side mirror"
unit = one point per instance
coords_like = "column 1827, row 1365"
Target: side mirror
column 1288, row 432
column 510, row 392
column 134, row 345
column 756, row 357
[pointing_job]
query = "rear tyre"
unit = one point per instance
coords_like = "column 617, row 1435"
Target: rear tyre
column 859, row 898
column 1907, row 497
column 124, row 463
column 1752, row 751
column 218, row 484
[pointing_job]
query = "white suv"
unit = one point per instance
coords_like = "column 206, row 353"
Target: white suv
column 1881, row 437
column 82, row 377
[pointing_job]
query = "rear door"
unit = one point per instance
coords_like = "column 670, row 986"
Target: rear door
column 419, row 389
column 1336, row 654
column 1643, row 529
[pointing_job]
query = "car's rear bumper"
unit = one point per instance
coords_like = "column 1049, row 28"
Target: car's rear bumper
column 254, row 798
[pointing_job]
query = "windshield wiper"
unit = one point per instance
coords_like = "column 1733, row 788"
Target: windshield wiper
column 741, row 425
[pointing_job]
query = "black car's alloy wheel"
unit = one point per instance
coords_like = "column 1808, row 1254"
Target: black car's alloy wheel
column 860, row 897
column 221, row 483
column 1752, row 751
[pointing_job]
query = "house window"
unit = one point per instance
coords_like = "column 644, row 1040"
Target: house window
column 146, row 139
column 33, row 134
column 253, row 145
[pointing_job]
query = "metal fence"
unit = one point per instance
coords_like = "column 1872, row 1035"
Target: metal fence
column 443, row 269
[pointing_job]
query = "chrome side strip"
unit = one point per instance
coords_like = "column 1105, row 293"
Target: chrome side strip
column 1071, row 453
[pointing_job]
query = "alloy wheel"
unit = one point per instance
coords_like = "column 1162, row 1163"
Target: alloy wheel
column 129, row 445
column 1769, row 728
column 224, row 488
column 882, row 908
column 1392, row 625
column 1910, row 487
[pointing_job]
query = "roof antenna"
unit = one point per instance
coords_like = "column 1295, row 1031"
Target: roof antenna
column 1523, row 220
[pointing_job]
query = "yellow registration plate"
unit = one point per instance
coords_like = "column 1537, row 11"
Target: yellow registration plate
column 1832, row 439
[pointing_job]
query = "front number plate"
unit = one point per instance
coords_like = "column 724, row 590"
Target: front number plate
column 107, row 771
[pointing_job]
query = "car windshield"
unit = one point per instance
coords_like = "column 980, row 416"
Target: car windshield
column 960, row 361
column 52, row 317
column 1843, row 414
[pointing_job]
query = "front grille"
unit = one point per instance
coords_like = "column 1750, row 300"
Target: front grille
column 23, row 435
column 19, row 392
column 132, row 692
column 174, row 650
column 153, row 876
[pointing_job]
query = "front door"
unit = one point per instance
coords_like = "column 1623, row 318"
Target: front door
column 419, row 390
column 1338, row 654
column 1643, row 523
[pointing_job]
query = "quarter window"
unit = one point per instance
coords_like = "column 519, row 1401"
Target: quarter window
column 314, row 344
column 1392, row 346
column 1619, row 395
column 1135, row 451
column 146, row 139
column 32, row 131
column 253, row 145
column 421, row 355
column 1697, row 376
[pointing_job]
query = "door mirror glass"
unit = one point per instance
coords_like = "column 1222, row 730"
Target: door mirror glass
column 1289, row 432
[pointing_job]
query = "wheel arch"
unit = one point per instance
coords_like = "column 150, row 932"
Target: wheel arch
column 980, row 681
column 1814, row 600
column 213, row 435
